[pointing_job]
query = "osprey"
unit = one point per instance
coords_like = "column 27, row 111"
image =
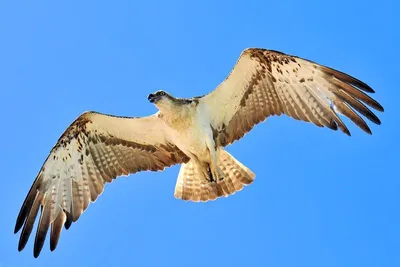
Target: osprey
column 97, row 148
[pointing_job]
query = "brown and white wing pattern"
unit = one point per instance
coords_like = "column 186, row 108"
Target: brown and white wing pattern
column 95, row 149
column 265, row 83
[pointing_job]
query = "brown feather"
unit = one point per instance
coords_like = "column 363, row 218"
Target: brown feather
column 68, row 221
column 340, row 123
column 360, row 107
column 30, row 221
column 192, row 185
column 347, row 78
column 56, row 228
column 43, row 226
column 357, row 94
column 27, row 205
column 309, row 114
column 347, row 111
column 77, row 200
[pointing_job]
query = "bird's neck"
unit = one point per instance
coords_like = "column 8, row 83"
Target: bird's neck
column 177, row 116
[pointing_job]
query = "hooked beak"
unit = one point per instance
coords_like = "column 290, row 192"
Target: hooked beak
column 152, row 98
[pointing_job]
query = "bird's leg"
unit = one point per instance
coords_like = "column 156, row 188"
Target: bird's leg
column 216, row 173
column 204, row 168
column 209, row 173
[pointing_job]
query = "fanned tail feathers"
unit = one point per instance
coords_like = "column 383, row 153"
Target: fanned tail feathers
column 192, row 185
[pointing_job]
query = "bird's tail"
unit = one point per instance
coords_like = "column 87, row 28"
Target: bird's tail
column 194, row 185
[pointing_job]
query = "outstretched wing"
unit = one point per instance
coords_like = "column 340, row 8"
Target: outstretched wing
column 95, row 149
column 265, row 83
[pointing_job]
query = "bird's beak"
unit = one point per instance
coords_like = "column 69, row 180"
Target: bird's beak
column 152, row 98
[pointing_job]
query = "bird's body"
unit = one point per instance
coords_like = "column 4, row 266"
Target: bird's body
column 97, row 148
column 196, row 140
column 189, row 128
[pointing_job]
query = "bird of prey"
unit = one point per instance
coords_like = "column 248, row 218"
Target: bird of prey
column 97, row 148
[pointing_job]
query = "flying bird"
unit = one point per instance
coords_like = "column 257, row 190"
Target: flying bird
column 97, row 148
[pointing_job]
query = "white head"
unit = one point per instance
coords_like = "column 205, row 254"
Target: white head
column 162, row 100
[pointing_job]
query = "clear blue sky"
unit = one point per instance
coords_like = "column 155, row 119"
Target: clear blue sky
column 320, row 198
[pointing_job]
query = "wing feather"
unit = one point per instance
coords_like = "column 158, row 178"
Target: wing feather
column 30, row 220
column 360, row 107
column 265, row 83
column 95, row 149
column 345, row 109
column 56, row 228
column 42, row 228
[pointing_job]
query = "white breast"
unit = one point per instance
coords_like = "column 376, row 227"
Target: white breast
column 195, row 135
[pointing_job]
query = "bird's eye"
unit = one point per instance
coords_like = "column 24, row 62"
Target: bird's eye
column 162, row 93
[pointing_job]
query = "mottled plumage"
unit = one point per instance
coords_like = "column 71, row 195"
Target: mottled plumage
column 97, row 148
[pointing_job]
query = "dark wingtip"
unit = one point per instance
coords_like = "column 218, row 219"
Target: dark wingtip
column 348, row 79
column 53, row 246
column 372, row 91
column 36, row 253
column 56, row 229
column 17, row 228
column 365, row 87
column 21, row 217
column 20, row 247
column 372, row 117
column 360, row 84
column 69, row 220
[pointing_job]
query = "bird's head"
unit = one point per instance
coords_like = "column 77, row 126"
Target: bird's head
column 161, row 99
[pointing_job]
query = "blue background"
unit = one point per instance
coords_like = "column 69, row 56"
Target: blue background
column 320, row 198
